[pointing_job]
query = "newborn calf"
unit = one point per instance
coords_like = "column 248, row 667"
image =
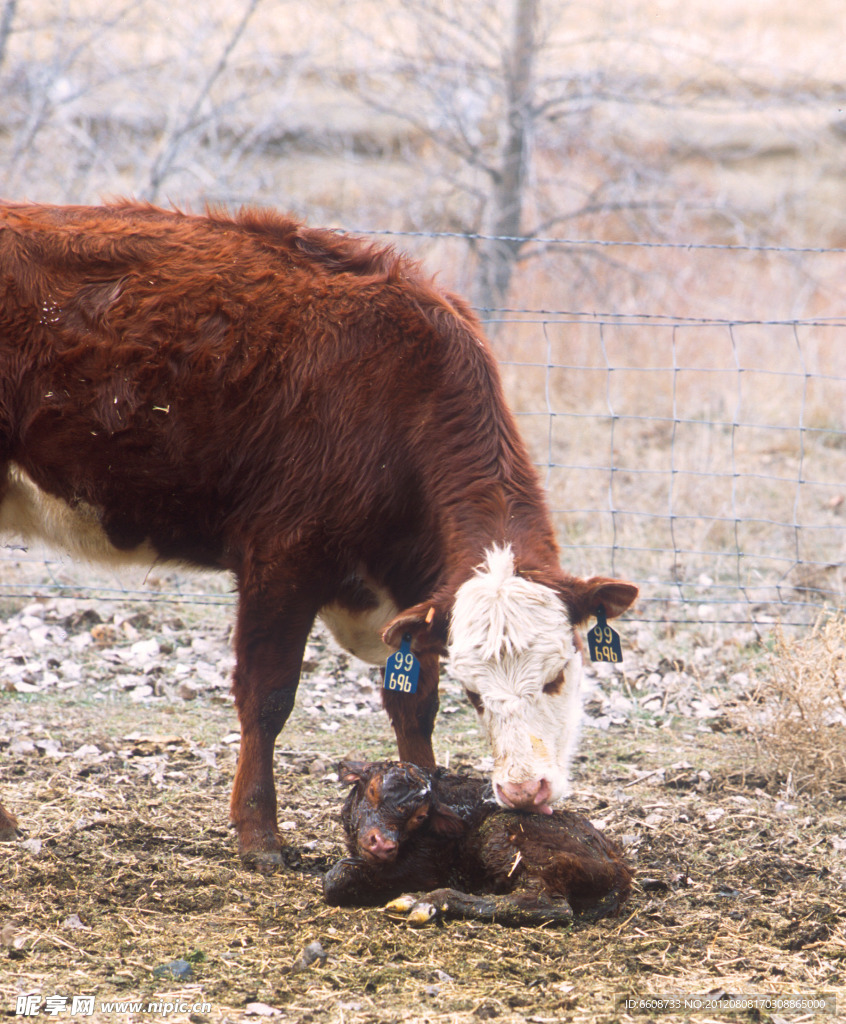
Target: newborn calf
column 414, row 829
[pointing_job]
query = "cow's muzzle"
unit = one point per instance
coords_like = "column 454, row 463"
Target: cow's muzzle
column 533, row 795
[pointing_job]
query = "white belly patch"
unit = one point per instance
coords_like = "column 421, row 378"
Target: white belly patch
column 360, row 633
column 33, row 515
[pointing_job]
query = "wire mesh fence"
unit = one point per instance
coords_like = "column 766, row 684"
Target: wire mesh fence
column 703, row 457
column 710, row 469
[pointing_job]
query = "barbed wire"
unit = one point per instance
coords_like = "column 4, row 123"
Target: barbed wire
column 560, row 316
column 475, row 236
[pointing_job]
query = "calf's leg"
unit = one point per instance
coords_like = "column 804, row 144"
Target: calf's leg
column 351, row 883
column 525, row 909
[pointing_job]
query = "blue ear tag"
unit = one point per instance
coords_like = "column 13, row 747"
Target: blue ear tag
column 402, row 669
column 603, row 641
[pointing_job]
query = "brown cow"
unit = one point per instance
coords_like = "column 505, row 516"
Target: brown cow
column 309, row 412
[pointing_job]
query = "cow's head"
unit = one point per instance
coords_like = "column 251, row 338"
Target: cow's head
column 513, row 646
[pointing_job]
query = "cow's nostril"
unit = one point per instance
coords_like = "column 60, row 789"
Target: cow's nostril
column 532, row 795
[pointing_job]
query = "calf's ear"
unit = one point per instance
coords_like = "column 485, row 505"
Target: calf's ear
column 584, row 597
column 427, row 625
column 446, row 822
column 352, row 771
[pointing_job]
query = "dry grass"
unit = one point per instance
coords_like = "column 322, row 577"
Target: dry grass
column 128, row 863
column 797, row 712
column 734, row 895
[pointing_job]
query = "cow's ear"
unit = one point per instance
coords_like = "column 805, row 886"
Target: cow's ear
column 425, row 623
column 584, row 597
column 351, row 772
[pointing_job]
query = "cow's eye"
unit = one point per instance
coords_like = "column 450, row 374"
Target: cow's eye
column 554, row 685
column 476, row 700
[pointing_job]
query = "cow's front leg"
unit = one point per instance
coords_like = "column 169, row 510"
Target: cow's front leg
column 269, row 652
column 413, row 714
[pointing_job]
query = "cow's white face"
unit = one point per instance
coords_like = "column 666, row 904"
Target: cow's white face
column 512, row 646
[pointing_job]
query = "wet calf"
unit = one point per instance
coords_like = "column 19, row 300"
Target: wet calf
column 413, row 829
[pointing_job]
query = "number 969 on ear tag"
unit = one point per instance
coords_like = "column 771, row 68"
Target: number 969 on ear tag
column 402, row 669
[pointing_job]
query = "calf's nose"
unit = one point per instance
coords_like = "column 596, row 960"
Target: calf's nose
column 532, row 795
column 378, row 846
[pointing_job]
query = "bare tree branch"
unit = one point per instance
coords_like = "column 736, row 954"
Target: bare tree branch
column 6, row 20
column 190, row 120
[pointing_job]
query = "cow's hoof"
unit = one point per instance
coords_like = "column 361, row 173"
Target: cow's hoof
column 9, row 830
column 266, row 862
column 8, row 834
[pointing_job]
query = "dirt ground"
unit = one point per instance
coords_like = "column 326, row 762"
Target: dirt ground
column 118, row 743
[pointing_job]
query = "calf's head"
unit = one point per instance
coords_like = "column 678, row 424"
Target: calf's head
column 514, row 648
column 389, row 804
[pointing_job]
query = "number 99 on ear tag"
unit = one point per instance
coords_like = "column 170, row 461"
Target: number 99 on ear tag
column 402, row 669
column 603, row 641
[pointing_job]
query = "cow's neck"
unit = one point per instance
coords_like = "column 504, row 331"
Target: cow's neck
column 474, row 528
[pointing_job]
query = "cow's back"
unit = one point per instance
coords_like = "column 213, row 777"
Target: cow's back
column 218, row 377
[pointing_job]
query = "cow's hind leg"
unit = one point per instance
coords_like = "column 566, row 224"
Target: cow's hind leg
column 269, row 645
column 8, row 826
column 413, row 714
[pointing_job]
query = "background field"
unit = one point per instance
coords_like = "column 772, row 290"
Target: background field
column 645, row 201
column 684, row 391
